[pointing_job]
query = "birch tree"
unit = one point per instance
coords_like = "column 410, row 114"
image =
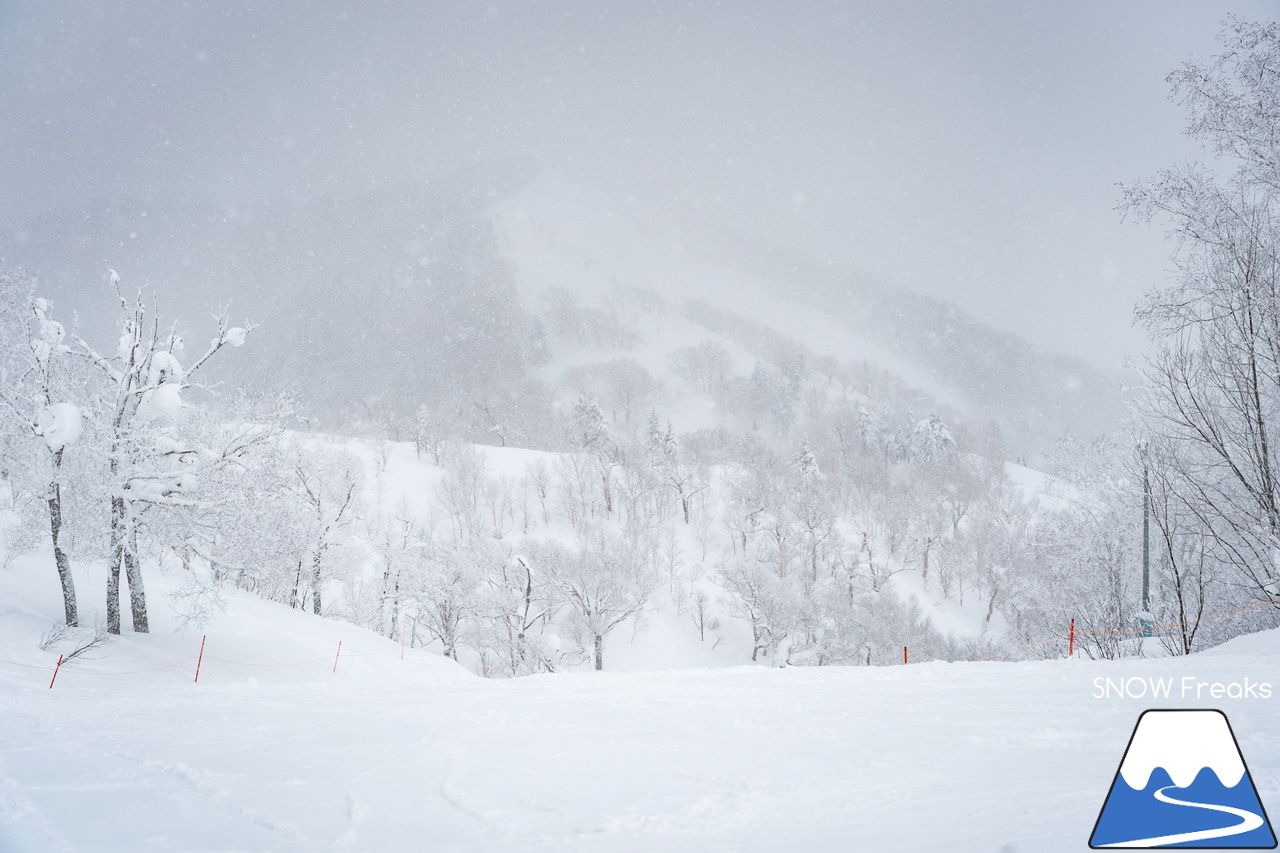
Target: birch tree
column 139, row 388
column 1214, row 372
column 326, row 483
column 604, row 582
column 35, row 385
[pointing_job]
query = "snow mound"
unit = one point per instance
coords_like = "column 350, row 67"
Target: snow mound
column 1261, row 643
column 251, row 641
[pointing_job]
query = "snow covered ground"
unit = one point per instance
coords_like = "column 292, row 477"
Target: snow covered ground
column 418, row 754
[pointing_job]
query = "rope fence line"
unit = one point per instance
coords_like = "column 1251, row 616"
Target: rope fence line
column 1054, row 639
column 132, row 671
column 272, row 665
column 1069, row 635
column 1185, row 624
column 62, row 668
column 27, row 665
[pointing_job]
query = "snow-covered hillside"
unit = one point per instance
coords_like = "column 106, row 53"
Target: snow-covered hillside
column 562, row 239
column 417, row 754
column 557, row 236
column 431, row 295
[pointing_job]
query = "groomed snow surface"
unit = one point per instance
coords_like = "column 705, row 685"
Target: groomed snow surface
column 420, row 755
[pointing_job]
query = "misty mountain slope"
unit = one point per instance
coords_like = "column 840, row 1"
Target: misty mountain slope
column 388, row 291
column 560, row 238
column 557, row 235
column 373, row 303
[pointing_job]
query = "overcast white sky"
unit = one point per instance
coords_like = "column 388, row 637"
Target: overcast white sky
column 969, row 150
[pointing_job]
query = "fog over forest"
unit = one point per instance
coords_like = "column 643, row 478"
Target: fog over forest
column 971, row 153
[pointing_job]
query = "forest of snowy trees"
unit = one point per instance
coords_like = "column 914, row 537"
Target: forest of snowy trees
column 797, row 520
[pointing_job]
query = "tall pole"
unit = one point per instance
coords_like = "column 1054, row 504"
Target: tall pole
column 1145, row 621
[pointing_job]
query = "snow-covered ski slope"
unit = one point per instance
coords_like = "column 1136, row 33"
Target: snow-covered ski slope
column 419, row 755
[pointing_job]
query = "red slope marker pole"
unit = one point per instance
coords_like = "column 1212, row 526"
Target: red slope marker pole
column 335, row 657
column 200, row 659
column 1071, row 640
column 55, row 672
column 904, row 655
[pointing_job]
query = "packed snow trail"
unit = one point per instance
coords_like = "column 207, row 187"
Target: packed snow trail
column 1248, row 822
column 972, row 757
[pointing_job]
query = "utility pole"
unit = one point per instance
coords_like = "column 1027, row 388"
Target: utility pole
column 1144, row 620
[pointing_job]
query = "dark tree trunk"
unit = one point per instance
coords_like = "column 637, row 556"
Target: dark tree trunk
column 113, row 569
column 59, row 557
column 133, row 572
column 315, row 584
column 599, row 652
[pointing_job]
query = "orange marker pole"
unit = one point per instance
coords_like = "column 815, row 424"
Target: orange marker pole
column 904, row 655
column 335, row 657
column 200, row 659
column 1071, row 640
column 55, row 672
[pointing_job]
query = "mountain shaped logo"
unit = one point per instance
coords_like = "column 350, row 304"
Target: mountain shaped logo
column 1183, row 783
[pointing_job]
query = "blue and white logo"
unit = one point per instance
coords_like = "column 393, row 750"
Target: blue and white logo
column 1183, row 783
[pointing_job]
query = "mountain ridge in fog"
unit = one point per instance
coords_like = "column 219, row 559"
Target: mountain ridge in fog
column 931, row 345
column 433, row 293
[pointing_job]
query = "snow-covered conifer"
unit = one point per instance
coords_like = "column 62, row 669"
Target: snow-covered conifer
column 931, row 441
column 591, row 436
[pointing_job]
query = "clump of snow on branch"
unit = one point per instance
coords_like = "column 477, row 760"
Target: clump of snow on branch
column 60, row 425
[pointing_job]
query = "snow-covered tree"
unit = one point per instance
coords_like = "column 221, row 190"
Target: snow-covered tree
column 462, row 491
column 707, row 365
column 758, row 596
column 805, row 463
column 447, row 589
column 326, row 483
column 622, row 385
column 240, row 526
column 663, row 450
column 430, row 432
column 604, row 581
column 591, row 437
column 517, row 607
column 931, row 441
column 1214, row 373
column 138, row 395
column 36, row 384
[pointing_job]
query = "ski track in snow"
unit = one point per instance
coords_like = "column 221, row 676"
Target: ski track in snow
column 955, row 757
column 389, row 755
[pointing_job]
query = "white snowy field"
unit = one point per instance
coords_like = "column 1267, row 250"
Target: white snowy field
column 417, row 754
